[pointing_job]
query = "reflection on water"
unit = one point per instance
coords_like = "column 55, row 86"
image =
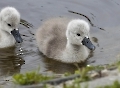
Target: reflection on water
column 59, row 67
column 9, row 62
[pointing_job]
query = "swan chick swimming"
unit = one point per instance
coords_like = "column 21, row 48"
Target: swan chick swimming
column 9, row 21
column 65, row 40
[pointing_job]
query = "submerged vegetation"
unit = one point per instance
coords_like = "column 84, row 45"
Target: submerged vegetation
column 85, row 75
column 30, row 78
column 75, row 84
column 116, row 84
column 85, row 72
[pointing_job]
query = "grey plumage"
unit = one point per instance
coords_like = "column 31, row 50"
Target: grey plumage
column 57, row 40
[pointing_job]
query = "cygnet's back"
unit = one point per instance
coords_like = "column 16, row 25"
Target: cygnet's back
column 51, row 36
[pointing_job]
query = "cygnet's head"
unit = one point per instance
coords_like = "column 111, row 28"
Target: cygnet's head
column 78, row 33
column 9, row 21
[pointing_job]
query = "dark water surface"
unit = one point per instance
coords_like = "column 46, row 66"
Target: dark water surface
column 104, row 15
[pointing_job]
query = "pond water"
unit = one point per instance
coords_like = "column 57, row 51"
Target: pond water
column 104, row 15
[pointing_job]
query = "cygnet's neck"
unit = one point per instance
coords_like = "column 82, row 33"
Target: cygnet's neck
column 73, row 47
column 74, row 53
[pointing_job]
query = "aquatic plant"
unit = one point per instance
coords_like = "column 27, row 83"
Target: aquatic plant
column 30, row 78
column 116, row 84
column 84, row 72
column 75, row 84
column 85, row 75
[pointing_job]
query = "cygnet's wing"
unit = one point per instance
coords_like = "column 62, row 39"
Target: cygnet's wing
column 51, row 38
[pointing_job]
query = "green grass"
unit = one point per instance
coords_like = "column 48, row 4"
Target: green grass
column 35, row 78
column 85, row 77
column 75, row 84
column 116, row 84
column 83, row 72
column 30, row 78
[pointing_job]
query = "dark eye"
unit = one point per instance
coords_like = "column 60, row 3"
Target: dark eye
column 9, row 25
column 78, row 34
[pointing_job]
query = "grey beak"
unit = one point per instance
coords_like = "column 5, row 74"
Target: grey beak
column 17, row 36
column 88, row 43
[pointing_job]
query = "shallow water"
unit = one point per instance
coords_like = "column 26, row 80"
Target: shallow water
column 104, row 15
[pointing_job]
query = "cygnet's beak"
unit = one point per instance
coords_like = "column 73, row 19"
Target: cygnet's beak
column 88, row 43
column 16, row 35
